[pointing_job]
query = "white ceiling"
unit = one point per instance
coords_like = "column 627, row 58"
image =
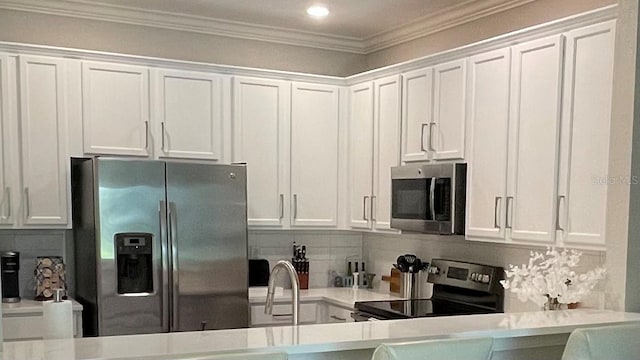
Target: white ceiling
column 359, row 26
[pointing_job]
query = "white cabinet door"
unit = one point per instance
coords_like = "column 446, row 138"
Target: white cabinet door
column 386, row 145
column 447, row 128
column 534, row 130
column 115, row 109
column 417, row 114
column 261, row 139
column 360, row 155
column 187, row 115
column 314, row 154
column 582, row 193
column 488, row 114
column 43, row 150
column 7, row 132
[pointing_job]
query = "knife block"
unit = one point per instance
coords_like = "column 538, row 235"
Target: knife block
column 394, row 281
column 304, row 280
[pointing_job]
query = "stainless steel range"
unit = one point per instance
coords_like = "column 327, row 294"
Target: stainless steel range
column 459, row 288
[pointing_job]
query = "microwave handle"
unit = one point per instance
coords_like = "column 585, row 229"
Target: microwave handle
column 432, row 200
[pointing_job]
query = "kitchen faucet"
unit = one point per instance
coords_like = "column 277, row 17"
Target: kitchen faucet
column 295, row 289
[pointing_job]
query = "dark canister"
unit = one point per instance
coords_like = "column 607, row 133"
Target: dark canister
column 10, row 264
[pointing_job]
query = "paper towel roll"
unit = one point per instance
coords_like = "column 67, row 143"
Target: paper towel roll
column 58, row 319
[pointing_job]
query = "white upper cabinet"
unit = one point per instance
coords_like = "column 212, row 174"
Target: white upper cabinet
column 360, row 155
column 261, row 139
column 44, row 158
column 488, row 115
column 7, row 174
column 314, row 154
column 115, row 109
column 446, row 133
column 534, row 138
column 386, row 147
column 582, row 193
column 417, row 115
column 374, row 147
column 187, row 114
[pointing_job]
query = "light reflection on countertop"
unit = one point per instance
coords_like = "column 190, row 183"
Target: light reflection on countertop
column 315, row 338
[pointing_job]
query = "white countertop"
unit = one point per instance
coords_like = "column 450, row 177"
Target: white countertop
column 315, row 338
column 26, row 306
column 345, row 297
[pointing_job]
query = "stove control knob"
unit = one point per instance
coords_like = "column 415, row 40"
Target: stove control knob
column 485, row 279
column 474, row 276
column 434, row 270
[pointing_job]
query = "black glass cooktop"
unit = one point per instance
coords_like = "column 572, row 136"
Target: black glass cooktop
column 406, row 309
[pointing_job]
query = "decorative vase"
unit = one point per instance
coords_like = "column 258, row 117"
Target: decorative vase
column 552, row 304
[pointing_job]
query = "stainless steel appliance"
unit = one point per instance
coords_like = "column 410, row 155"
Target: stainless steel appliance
column 459, row 288
column 160, row 246
column 429, row 198
column 10, row 265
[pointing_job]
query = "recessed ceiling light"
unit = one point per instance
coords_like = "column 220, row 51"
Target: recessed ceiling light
column 318, row 11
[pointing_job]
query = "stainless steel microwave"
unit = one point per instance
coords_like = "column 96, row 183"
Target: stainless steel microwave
column 429, row 198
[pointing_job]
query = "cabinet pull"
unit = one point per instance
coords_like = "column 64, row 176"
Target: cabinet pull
column 295, row 206
column 495, row 212
column 560, row 199
column 373, row 206
column 364, row 208
column 422, row 137
column 7, row 199
column 26, row 202
column 162, row 131
column 281, row 315
column 337, row 318
column 431, row 125
column 146, row 135
column 281, row 206
column 509, row 214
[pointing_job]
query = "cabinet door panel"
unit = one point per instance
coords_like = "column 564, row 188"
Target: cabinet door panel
column 314, row 154
column 261, row 139
column 189, row 121
column 386, row 147
column 6, row 214
column 44, row 159
column 585, row 139
column 361, row 155
column 417, row 112
column 115, row 109
column 447, row 129
column 535, row 113
column 489, row 76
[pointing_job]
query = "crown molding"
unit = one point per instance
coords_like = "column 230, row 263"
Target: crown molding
column 468, row 11
column 465, row 12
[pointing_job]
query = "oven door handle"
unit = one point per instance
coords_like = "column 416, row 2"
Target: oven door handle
column 432, row 200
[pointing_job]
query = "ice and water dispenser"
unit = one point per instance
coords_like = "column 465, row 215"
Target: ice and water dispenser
column 134, row 257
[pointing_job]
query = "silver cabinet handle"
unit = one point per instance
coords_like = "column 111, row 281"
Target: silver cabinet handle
column 295, row 206
column 281, row 315
column 26, row 203
column 560, row 199
column 337, row 318
column 364, row 207
column 495, row 212
column 509, row 215
column 422, row 137
column 432, row 200
column 431, row 125
column 146, row 135
column 162, row 128
column 281, row 206
column 373, row 206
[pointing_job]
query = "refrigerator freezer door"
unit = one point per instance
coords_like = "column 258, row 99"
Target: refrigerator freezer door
column 130, row 201
column 208, row 227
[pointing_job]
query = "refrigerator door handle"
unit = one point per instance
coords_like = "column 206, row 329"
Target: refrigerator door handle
column 164, row 263
column 174, row 267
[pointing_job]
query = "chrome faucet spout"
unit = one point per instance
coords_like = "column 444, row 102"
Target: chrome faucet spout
column 295, row 289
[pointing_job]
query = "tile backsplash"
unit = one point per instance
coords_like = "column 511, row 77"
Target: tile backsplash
column 34, row 243
column 382, row 250
column 327, row 250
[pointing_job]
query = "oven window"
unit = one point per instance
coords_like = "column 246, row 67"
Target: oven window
column 410, row 199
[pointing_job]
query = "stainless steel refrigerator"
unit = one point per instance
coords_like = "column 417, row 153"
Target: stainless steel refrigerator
column 159, row 246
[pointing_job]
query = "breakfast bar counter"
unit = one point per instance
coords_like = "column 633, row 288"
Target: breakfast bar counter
column 515, row 334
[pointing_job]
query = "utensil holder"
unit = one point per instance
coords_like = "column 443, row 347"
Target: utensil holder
column 410, row 285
